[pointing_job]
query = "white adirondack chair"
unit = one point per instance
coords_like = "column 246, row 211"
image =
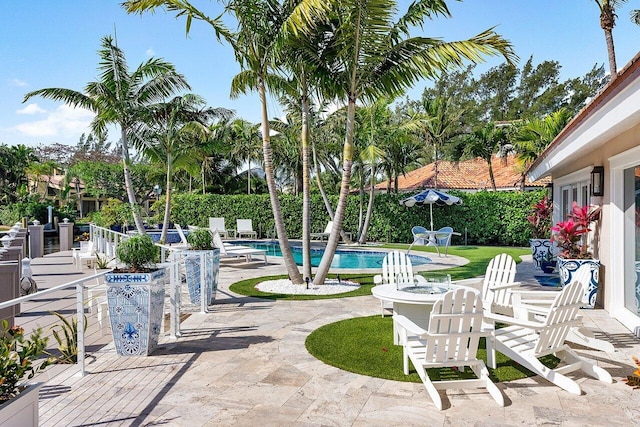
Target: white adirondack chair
column 396, row 268
column 525, row 341
column 455, row 329
column 502, row 295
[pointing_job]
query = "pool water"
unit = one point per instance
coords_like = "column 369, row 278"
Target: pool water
column 357, row 259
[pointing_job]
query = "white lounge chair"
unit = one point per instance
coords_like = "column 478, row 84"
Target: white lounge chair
column 396, row 268
column 525, row 341
column 235, row 251
column 325, row 234
column 244, row 227
column 184, row 243
column 452, row 339
column 218, row 224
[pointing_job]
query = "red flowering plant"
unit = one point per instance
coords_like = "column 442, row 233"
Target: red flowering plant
column 571, row 235
column 540, row 219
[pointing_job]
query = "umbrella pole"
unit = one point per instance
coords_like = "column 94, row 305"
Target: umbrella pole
column 431, row 214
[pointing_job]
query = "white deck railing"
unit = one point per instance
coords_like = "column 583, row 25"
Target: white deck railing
column 106, row 242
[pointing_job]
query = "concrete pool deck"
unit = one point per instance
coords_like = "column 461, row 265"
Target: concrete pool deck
column 245, row 364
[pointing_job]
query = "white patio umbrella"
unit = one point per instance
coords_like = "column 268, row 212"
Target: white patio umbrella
column 431, row 197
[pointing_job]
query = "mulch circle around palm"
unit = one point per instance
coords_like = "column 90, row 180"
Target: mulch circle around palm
column 364, row 345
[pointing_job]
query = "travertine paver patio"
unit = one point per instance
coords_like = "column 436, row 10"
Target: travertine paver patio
column 245, row 364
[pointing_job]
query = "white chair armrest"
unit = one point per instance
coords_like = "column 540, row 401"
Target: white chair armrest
column 409, row 326
column 377, row 279
column 513, row 321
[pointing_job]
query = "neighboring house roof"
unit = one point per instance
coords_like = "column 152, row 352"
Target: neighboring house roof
column 613, row 111
column 469, row 175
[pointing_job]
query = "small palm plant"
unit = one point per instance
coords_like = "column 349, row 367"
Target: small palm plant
column 67, row 343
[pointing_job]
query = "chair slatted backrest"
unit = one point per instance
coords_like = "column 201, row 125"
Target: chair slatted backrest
column 217, row 242
column 397, row 268
column 455, row 328
column 183, row 238
column 244, row 225
column 443, row 236
column 217, row 224
column 328, row 228
column 501, row 271
column 564, row 313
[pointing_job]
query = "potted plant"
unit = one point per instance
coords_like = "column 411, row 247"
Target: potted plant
column 135, row 297
column 19, row 401
column 540, row 221
column 572, row 238
column 201, row 253
column 548, row 263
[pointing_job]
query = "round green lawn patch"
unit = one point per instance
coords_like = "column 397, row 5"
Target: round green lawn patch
column 364, row 345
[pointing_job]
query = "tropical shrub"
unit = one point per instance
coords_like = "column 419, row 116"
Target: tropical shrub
column 138, row 253
column 200, row 239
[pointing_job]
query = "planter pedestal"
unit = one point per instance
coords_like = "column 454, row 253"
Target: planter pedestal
column 568, row 268
column 136, row 308
column 193, row 263
column 22, row 411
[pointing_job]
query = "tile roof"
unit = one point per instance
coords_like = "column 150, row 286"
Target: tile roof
column 466, row 175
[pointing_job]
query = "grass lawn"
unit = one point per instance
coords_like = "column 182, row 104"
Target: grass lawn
column 364, row 345
column 478, row 256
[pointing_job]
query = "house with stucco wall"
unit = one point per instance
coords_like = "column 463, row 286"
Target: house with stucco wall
column 596, row 160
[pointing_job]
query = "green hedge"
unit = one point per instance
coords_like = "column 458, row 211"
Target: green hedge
column 489, row 218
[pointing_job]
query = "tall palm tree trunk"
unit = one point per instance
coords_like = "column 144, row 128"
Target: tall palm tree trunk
column 338, row 219
column 306, row 193
column 167, row 204
column 325, row 199
column 613, row 68
column 289, row 262
column 128, row 183
column 491, row 177
column 362, row 239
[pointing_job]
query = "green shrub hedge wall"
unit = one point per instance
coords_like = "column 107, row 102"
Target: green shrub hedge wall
column 489, row 218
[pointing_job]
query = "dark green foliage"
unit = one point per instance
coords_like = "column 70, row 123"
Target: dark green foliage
column 200, row 239
column 14, row 212
column 489, row 218
column 137, row 252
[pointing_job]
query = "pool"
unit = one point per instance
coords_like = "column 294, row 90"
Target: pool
column 344, row 258
column 172, row 235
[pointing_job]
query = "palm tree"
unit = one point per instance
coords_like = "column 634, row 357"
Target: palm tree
column 260, row 31
column 170, row 136
column 366, row 55
column 484, row 143
column 245, row 145
column 39, row 170
column 607, row 22
column 439, row 122
column 120, row 97
column 533, row 136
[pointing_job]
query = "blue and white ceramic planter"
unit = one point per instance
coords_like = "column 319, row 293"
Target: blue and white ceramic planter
column 136, row 308
column 540, row 248
column 568, row 268
column 193, row 262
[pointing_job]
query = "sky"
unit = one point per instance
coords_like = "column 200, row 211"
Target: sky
column 48, row 43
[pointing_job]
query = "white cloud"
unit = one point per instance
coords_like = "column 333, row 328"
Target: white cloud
column 63, row 121
column 150, row 52
column 31, row 109
column 19, row 83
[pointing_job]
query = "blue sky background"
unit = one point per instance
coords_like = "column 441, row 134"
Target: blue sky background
column 54, row 44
